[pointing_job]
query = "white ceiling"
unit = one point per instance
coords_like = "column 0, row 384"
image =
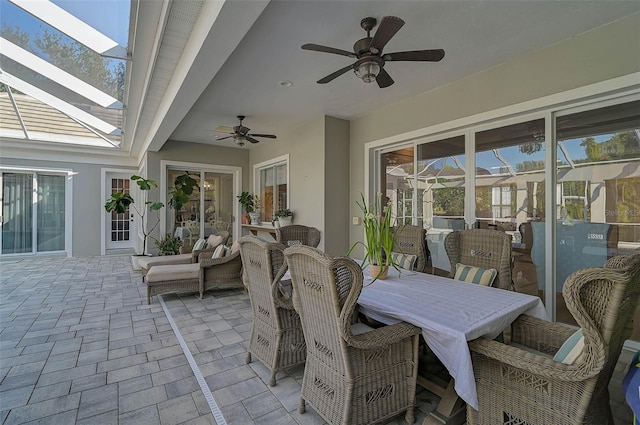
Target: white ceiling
column 476, row 35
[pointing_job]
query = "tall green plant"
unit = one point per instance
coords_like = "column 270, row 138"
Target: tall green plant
column 119, row 202
column 378, row 230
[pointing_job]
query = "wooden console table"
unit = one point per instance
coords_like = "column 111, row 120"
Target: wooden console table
column 255, row 229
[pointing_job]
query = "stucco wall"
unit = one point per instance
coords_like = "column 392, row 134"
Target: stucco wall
column 87, row 202
column 336, row 194
column 602, row 54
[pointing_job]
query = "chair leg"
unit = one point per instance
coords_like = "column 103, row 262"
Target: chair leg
column 302, row 408
column 272, row 381
column 248, row 359
column 409, row 416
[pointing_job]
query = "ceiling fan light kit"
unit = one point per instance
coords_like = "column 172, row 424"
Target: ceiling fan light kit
column 370, row 61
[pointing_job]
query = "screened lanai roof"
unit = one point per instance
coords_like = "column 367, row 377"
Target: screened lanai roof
column 62, row 70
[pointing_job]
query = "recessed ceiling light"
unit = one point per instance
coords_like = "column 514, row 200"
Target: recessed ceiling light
column 286, row 83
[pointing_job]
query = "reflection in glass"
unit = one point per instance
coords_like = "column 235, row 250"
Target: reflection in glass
column 598, row 192
column 51, row 207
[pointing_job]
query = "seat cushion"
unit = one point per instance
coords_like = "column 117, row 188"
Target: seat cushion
column 173, row 272
column 473, row 274
column 147, row 262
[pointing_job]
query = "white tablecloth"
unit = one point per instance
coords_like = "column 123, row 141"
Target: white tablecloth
column 450, row 313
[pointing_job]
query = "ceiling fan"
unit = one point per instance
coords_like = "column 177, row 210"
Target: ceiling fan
column 240, row 133
column 370, row 60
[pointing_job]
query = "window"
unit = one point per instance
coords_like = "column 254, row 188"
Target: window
column 272, row 186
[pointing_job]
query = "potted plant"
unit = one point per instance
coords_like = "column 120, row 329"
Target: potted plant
column 283, row 217
column 379, row 237
column 246, row 200
column 255, row 214
column 119, row 202
column 169, row 245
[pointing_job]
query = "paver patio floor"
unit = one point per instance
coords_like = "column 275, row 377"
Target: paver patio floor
column 80, row 345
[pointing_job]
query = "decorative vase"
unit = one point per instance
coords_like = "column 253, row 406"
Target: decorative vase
column 255, row 218
column 378, row 272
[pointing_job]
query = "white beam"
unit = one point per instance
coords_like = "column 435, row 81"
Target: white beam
column 58, row 104
column 58, row 75
column 75, row 28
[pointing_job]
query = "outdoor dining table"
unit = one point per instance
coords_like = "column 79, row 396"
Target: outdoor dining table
column 450, row 313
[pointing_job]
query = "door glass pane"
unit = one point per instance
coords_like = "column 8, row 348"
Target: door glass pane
column 218, row 206
column 186, row 221
column 120, row 222
column 598, row 191
column 17, row 213
column 441, row 179
column 397, row 180
column 510, row 164
column 51, row 212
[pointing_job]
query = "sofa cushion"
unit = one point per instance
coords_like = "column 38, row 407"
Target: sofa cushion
column 173, row 272
column 147, row 262
column 214, row 240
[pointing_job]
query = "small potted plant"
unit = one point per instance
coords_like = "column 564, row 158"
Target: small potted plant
column 119, row 202
column 246, row 200
column 255, row 214
column 283, row 217
column 169, row 245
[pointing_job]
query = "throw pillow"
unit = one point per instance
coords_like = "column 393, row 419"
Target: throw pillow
column 200, row 244
column 219, row 252
column 214, row 240
column 475, row 274
column 405, row 261
column 235, row 247
column 571, row 350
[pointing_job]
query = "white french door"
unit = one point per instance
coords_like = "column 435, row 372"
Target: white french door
column 120, row 228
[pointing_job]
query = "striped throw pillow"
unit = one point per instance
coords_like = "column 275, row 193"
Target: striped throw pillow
column 219, row 252
column 571, row 349
column 405, row 261
column 200, row 244
column 475, row 274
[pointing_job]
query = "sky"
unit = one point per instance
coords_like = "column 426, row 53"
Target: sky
column 111, row 17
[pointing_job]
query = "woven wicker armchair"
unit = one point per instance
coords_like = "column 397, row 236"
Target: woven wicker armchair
column 411, row 240
column 518, row 386
column 276, row 336
column 297, row 234
column 354, row 374
column 484, row 248
column 220, row 273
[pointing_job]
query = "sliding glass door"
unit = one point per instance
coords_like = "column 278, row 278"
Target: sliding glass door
column 33, row 212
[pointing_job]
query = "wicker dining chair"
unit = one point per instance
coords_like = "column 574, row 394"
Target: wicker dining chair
column 276, row 337
column 298, row 234
column 483, row 248
column 411, row 240
column 520, row 383
column 354, row 374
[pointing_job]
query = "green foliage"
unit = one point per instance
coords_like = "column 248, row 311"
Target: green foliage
column 379, row 235
column 448, row 201
column 119, row 202
column 284, row 213
column 247, row 201
column 183, row 187
column 169, row 245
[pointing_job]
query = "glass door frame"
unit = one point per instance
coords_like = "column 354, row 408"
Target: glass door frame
column 68, row 206
column 194, row 167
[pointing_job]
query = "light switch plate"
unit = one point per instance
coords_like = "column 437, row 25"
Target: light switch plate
column 355, row 221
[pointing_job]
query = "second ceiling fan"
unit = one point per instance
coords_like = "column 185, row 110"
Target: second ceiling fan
column 240, row 133
column 370, row 60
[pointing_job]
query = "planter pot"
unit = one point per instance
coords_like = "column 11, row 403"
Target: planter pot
column 276, row 223
column 378, row 272
column 245, row 219
column 285, row 221
column 255, row 218
column 134, row 262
